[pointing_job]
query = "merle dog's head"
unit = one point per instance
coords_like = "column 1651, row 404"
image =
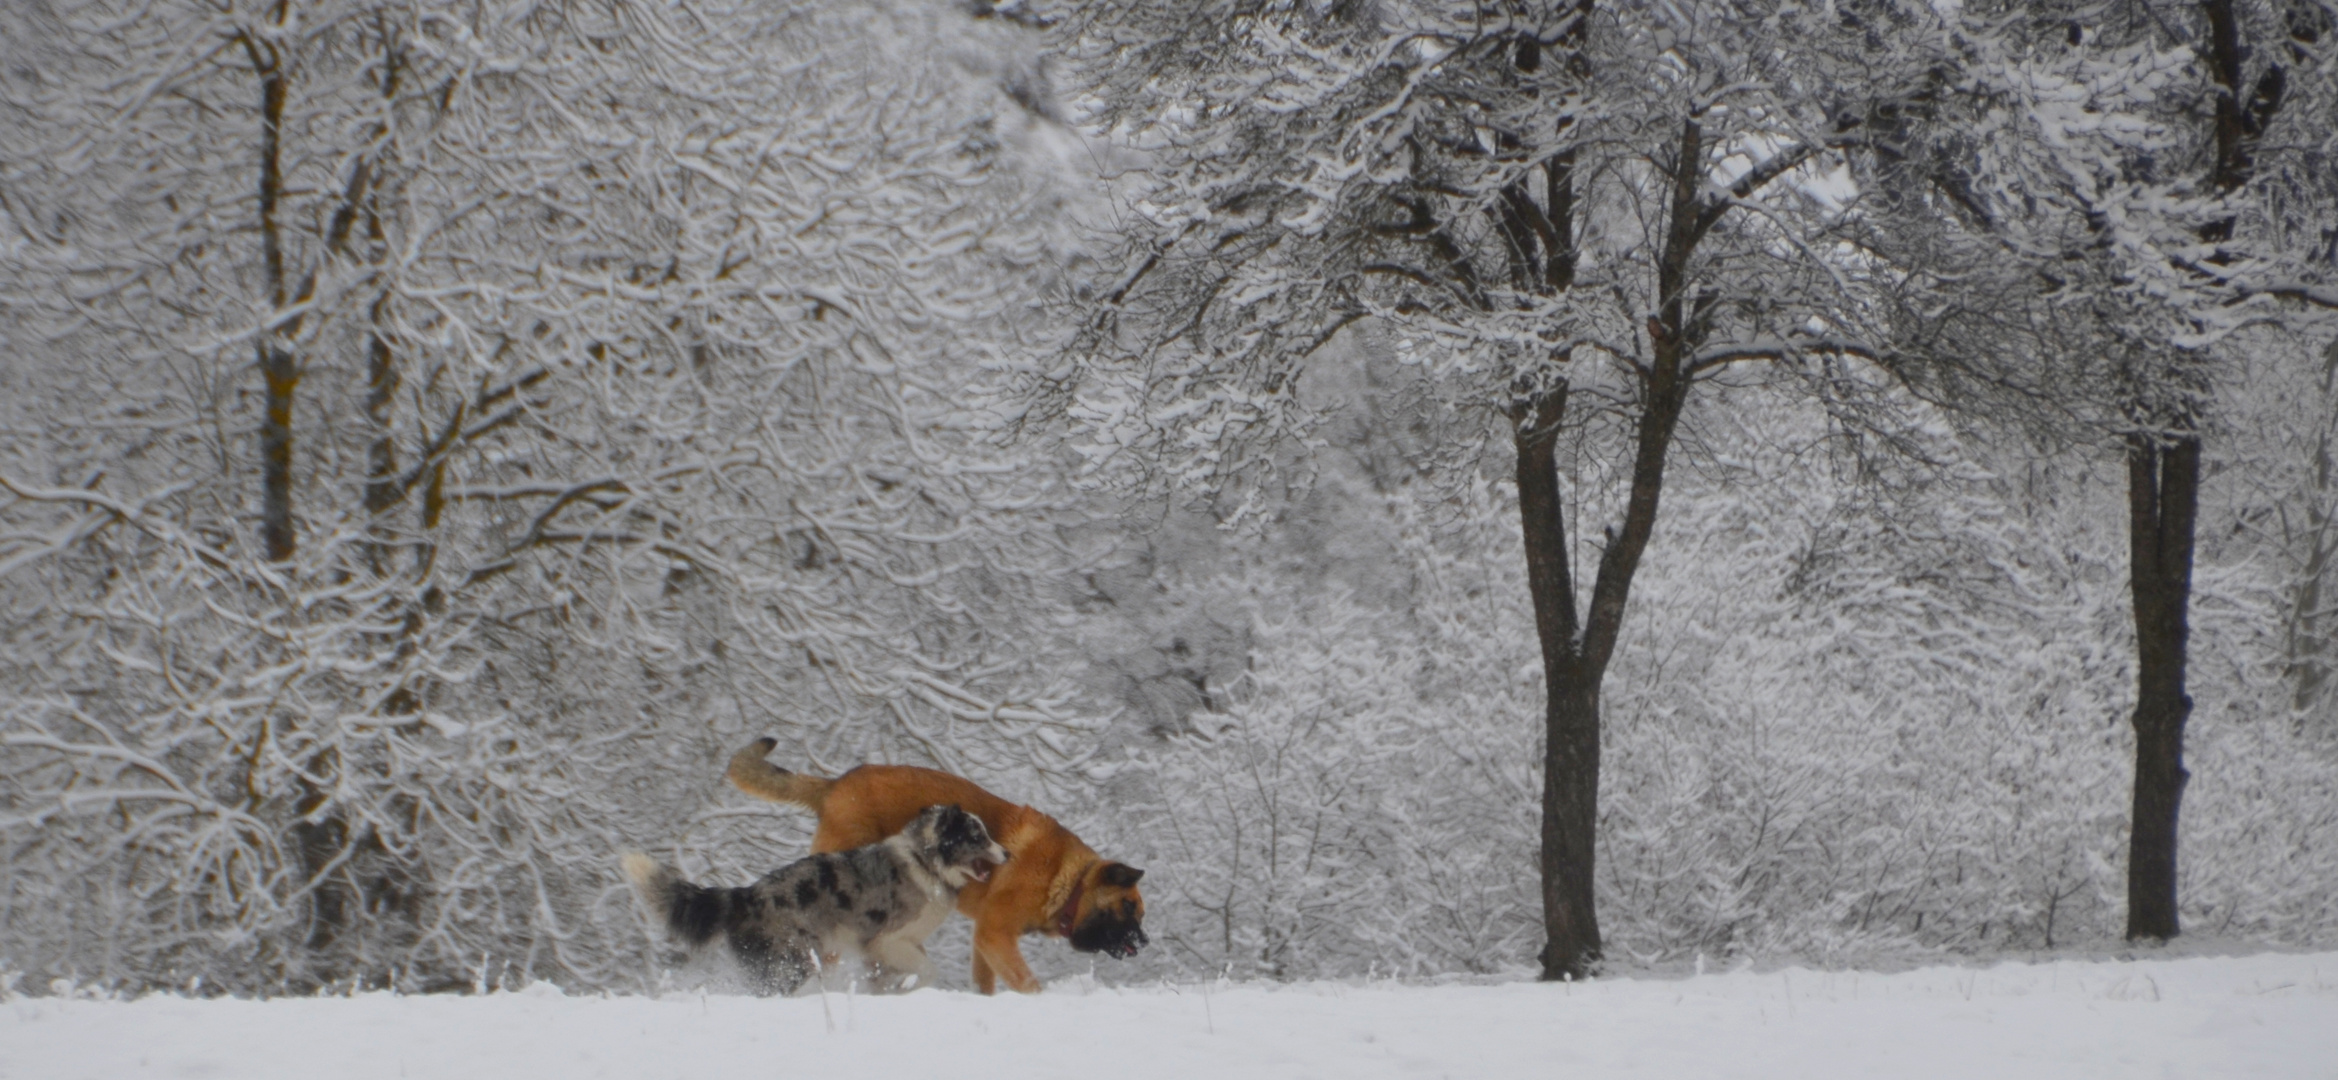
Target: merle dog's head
column 960, row 847
column 1109, row 916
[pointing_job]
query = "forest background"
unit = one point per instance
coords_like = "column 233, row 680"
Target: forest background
column 440, row 433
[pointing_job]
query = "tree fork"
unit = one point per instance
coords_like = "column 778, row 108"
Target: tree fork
column 1544, row 256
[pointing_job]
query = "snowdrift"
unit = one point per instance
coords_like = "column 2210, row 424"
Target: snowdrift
column 2270, row 1015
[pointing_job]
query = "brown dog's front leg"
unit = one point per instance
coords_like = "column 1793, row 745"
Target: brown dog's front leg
column 984, row 979
column 997, row 949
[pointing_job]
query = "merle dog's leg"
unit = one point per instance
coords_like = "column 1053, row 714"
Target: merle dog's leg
column 773, row 967
column 753, row 949
column 899, row 965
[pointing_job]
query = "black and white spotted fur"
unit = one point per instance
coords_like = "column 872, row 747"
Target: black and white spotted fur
column 875, row 904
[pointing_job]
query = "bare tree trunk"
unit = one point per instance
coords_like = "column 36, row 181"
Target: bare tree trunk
column 2310, row 643
column 1570, row 775
column 2163, row 489
column 277, row 369
column 1570, row 828
column 331, row 902
column 320, row 834
column 1576, row 651
column 382, row 489
column 2163, row 497
column 383, row 493
column 1574, row 663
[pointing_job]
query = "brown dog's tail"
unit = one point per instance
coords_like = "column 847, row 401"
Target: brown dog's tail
column 749, row 772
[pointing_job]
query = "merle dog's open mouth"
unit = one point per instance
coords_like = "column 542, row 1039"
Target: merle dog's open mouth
column 980, row 869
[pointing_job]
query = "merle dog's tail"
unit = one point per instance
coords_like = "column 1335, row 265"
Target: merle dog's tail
column 692, row 913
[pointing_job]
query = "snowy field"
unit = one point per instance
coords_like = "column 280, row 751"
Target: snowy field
column 2268, row 1015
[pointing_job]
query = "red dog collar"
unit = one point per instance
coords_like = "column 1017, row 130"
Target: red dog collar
column 1071, row 908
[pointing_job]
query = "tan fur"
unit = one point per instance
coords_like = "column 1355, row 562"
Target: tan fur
column 639, row 868
column 750, row 773
column 1027, row 895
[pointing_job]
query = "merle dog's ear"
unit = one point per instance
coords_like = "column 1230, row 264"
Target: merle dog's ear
column 1121, row 874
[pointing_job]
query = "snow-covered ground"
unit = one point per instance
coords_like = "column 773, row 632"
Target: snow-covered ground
column 2268, row 1015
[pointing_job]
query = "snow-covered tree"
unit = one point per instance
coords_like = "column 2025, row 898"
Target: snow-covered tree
column 1579, row 216
column 1865, row 707
column 445, row 430
column 2303, row 518
column 2144, row 178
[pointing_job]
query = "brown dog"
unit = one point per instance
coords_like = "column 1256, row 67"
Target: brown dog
column 1053, row 884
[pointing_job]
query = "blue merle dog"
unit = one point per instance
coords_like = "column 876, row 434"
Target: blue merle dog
column 873, row 905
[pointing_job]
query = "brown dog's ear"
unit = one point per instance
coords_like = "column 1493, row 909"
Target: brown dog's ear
column 1121, row 874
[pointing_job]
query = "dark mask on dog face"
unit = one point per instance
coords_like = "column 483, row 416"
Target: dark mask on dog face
column 1113, row 913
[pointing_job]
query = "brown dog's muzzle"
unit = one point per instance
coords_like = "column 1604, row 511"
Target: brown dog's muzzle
column 1126, row 945
column 1112, row 937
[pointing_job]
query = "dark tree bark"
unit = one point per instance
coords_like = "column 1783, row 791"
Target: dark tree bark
column 2163, row 490
column 1570, row 774
column 332, row 903
column 383, row 489
column 383, row 492
column 278, row 372
column 1574, row 662
column 1576, row 651
column 1539, row 239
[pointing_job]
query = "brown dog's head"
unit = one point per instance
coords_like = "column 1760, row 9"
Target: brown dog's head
column 1109, row 916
